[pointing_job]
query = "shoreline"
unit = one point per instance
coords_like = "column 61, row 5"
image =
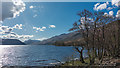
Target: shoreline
column 106, row 62
column 74, row 63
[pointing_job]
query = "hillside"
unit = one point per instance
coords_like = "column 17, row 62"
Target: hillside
column 63, row 37
column 11, row 42
column 31, row 42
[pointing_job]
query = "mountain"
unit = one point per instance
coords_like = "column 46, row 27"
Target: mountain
column 31, row 42
column 68, row 38
column 11, row 42
column 63, row 37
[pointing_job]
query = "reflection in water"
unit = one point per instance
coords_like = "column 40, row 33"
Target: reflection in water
column 4, row 54
column 33, row 55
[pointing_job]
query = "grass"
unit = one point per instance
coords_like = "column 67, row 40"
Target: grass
column 106, row 61
column 76, row 63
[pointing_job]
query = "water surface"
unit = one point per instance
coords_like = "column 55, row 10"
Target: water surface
column 34, row 55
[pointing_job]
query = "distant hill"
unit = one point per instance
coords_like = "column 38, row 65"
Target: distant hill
column 31, row 42
column 66, row 38
column 11, row 42
column 63, row 37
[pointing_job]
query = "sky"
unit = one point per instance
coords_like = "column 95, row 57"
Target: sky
column 62, row 0
column 42, row 20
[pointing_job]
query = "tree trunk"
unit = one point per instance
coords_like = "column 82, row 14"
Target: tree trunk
column 118, row 50
column 81, row 54
column 93, row 46
column 103, row 43
column 81, row 57
column 99, row 53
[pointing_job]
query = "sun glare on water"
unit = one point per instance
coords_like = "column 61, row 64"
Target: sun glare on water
column 4, row 51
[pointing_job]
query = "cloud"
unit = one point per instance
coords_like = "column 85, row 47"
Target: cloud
column 17, row 26
column 16, row 36
column 87, row 20
column 99, row 6
column 52, row 26
column 31, row 7
column 116, row 2
column 7, row 30
column 95, row 6
column 41, row 39
column 106, row 14
column 39, row 29
column 35, row 16
column 111, row 13
column 43, row 28
column 83, row 22
column 118, row 14
column 11, row 9
column 109, row 8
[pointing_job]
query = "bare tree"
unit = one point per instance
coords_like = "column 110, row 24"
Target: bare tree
column 83, row 26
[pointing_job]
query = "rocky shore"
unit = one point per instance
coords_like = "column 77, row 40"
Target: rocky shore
column 106, row 63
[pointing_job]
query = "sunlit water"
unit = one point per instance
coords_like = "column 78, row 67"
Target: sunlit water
column 30, row 55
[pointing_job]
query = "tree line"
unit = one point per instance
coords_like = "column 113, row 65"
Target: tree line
column 100, row 35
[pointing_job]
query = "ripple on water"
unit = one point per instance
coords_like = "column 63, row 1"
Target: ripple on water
column 31, row 55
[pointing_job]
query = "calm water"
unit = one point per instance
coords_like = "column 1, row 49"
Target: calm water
column 34, row 55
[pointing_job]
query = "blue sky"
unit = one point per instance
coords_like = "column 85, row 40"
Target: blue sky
column 62, row 15
column 42, row 14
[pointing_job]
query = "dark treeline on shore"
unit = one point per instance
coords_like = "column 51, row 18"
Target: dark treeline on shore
column 100, row 36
